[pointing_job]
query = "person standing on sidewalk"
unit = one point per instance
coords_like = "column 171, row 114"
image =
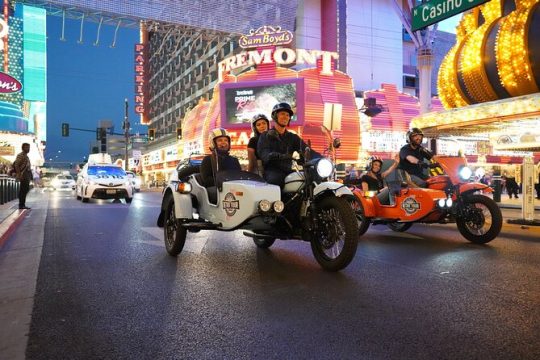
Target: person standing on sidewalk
column 23, row 169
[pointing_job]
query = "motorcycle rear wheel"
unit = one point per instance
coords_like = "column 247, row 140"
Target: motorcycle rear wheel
column 478, row 212
column 174, row 234
column 336, row 239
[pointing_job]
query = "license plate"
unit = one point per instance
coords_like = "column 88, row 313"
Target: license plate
column 111, row 191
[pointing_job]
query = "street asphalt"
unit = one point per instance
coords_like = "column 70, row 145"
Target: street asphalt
column 106, row 289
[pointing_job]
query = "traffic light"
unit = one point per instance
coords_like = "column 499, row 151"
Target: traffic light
column 65, row 129
column 151, row 134
column 101, row 133
column 178, row 133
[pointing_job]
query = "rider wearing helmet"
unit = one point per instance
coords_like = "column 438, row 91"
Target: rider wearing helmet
column 373, row 180
column 259, row 124
column 219, row 160
column 276, row 146
column 412, row 156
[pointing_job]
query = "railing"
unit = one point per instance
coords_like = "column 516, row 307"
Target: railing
column 9, row 189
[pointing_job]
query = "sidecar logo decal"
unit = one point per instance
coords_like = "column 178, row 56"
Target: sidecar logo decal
column 410, row 205
column 230, row 204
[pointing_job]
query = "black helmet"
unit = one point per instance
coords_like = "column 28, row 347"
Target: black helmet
column 412, row 132
column 257, row 118
column 281, row 107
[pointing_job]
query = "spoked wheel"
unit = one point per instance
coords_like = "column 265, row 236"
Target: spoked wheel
column 399, row 227
column 336, row 239
column 263, row 242
column 175, row 234
column 480, row 219
column 363, row 222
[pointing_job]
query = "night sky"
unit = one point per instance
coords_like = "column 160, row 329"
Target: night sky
column 87, row 83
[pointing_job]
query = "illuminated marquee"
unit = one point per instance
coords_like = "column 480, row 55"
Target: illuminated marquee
column 4, row 28
column 139, row 78
column 8, row 84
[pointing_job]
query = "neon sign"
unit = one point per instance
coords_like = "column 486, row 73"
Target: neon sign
column 265, row 36
column 8, row 84
column 139, row 78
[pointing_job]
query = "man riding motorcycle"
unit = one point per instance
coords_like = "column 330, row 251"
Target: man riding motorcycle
column 276, row 146
column 412, row 156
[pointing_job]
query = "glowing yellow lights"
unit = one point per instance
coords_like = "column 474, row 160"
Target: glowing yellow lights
column 511, row 52
column 528, row 104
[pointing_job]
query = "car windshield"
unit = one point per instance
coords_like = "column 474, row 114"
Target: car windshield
column 106, row 170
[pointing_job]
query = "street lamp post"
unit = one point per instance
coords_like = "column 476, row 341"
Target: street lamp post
column 126, row 133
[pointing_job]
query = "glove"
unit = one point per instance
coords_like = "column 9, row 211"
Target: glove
column 434, row 165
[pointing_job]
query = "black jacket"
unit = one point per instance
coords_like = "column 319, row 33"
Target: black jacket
column 421, row 153
column 225, row 162
column 275, row 150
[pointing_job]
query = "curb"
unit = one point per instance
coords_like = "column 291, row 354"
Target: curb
column 8, row 226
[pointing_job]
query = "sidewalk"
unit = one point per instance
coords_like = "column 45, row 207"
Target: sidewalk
column 513, row 203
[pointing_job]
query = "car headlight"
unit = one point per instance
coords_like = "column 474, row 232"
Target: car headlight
column 325, row 168
column 465, row 173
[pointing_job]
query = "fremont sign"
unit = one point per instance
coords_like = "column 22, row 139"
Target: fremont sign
column 436, row 10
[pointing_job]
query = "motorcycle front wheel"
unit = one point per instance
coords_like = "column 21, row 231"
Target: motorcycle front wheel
column 336, row 239
column 174, row 233
column 363, row 222
column 480, row 219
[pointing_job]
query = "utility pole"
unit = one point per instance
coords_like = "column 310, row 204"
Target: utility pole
column 126, row 133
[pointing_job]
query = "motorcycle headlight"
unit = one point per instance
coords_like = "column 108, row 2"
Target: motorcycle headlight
column 278, row 206
column 265, row 205
column 449, row 202
column 442, row 202
column 325, row 168
column 465, row 173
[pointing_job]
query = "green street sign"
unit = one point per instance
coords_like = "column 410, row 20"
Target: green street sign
column 436, row 10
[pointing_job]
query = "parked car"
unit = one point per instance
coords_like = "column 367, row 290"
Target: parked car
column 62, row 182
column 103, row 181
column 135, row 180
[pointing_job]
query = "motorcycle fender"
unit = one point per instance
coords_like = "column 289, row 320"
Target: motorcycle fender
column 337, row 188
column 183, row 206
column 474, row 187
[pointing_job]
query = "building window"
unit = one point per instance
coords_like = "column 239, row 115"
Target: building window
column 409, row 81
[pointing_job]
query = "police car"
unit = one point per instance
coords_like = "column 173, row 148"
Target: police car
column 101, row 179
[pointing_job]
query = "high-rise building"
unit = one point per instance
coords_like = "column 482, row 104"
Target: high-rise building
column 23, row 82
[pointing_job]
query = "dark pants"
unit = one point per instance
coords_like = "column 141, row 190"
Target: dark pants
column 537, row 186
column 23, row 190
column 275, row 177
column 512, row 187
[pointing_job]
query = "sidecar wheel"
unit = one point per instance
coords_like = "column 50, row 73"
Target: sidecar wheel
column 336, row 239
column 363, row 222
column 480, row 219
column 399, row 227
column 263, row 242
column 174, row 233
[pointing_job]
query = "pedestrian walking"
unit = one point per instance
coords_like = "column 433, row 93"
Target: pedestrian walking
column 23, row 170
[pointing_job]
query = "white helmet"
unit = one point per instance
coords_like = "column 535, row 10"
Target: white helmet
column 217, row 132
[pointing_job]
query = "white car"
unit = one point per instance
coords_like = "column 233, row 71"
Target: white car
column 103, row 181
column 63, row 182
column 135, row 180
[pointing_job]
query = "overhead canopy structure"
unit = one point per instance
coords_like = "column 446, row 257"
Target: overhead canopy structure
column 215, row 16
column 511, row 116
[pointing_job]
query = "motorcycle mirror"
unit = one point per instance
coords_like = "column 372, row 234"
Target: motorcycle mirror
column 336, row 143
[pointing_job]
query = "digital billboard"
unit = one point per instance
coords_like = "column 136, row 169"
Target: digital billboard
column 241, row 101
